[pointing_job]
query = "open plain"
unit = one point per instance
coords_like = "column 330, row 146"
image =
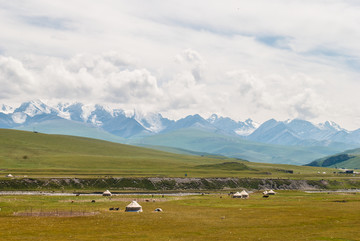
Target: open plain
column 288, row 215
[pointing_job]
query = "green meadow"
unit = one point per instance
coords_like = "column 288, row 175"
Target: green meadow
column 40, row 155
column 289, row 215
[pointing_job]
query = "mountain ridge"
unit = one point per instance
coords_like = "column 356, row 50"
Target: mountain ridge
column 268, row 142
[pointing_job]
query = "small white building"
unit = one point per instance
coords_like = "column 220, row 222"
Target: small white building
column 244, row 194
column 133, row 207
column 107, row 193
column 271, row 192
column 9, row 175
column 237, row 195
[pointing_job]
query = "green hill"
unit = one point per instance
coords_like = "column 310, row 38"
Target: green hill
column 349, row 160
column 45, row 155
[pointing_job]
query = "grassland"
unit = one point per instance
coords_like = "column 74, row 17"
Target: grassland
column 349, row 159
column 41, row 155
column 288, row 215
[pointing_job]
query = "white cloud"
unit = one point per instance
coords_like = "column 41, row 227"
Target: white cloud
column 240, row 59
column 295, row 96
column 14, row 78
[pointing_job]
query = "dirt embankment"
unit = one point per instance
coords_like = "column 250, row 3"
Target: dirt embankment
column 170, row 184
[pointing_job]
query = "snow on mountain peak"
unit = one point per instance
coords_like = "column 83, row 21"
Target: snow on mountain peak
column 6, row 109
column 86, row 111
column 252, row 123
column 330, row 125
column 150, row 121
column 33, row 108
column 19, row 117
column 213, row 118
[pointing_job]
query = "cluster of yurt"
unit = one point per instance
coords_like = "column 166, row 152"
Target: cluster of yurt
column 267, row 193
column 243, row 195
column 134, row 206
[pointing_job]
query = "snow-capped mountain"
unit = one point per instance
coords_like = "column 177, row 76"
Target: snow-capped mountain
column 137, row 124
column 301, row 132
column 233, row 127
column 153, row 122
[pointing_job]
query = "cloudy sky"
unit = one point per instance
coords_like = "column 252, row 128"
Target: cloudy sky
column 256, row 59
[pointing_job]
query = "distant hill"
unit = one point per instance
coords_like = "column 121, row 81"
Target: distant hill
column 200, row 140
column 349, row 160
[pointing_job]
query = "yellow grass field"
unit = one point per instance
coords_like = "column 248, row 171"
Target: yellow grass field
column 289, row 215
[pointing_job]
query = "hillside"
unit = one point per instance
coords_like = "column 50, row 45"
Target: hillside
column 44, row 155
column 199, row 140
column 349, row 160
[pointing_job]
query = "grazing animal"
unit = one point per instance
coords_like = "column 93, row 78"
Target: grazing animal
column 92, row 201
column 265, row 196
column 111, row 209
column 117, row 209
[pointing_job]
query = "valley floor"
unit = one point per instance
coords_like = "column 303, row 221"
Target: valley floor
column 289, row 215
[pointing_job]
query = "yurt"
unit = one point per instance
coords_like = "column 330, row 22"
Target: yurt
column 265, row 194
column 236, row 195
column 133, row 207
column 244, row 194
column 9, row 175
column 271, row 192
column 107, row 193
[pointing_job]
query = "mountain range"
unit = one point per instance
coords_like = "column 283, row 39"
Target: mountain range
column 114, row 121
column 293, row 141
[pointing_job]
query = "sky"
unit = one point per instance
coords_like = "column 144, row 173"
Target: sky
column 257, row 59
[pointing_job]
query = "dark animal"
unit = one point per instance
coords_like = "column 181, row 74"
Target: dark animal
column 117, row 209
column 111, row 209
column 92, row 201
column 265, row 196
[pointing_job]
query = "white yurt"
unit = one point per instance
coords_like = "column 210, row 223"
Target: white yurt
column 265, row 193
column 244, row 194
column 236, row 195
column 9, row 175
column 271, row 192
column 133, row 207
column 107, row 193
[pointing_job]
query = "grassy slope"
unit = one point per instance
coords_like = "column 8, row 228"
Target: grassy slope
column 36, row 154
column 202, row 141
column 349, row 159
